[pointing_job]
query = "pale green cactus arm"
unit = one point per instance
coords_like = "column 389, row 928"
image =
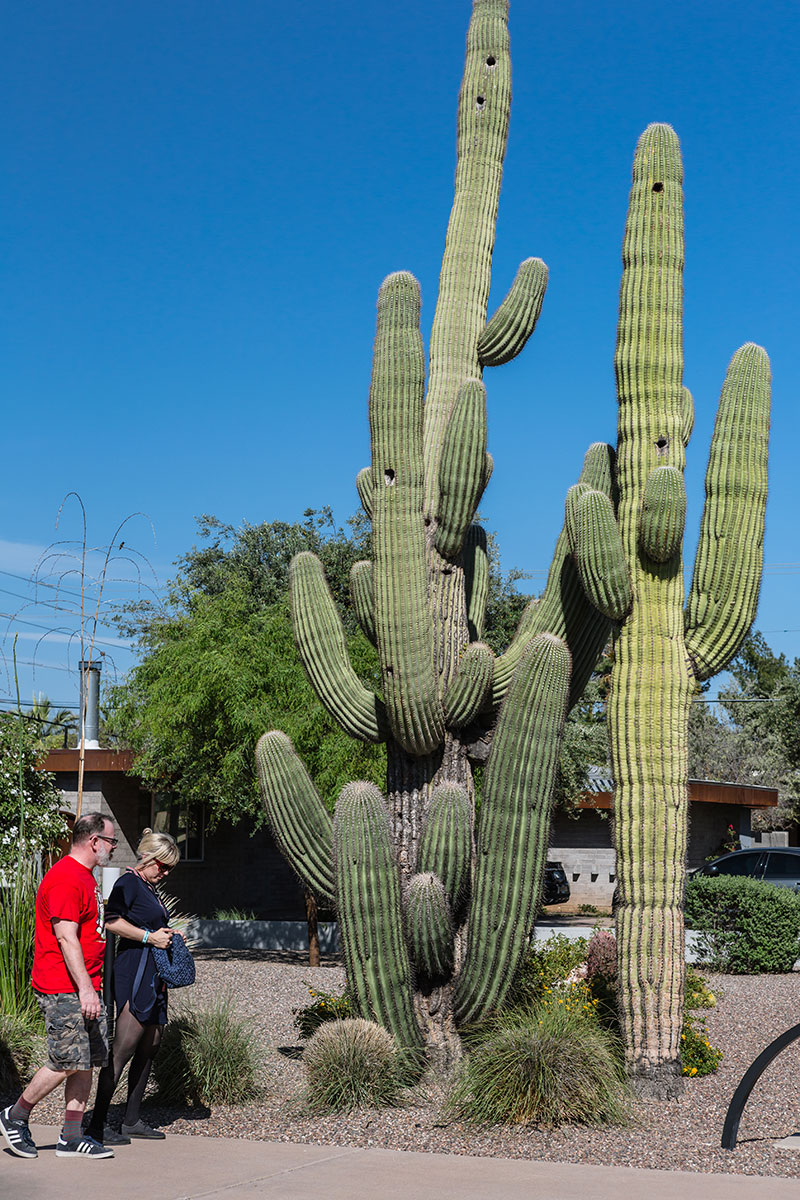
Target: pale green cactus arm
column 476, row 579
column 445, row 846
column 362, row 597
column 727, row 573
column 429, row 922
column 484, row 105
column 321, row 642
column 564, row 608
column 461, row 468
column 370, row 913
column 514, row 825
column 472, row 683
column 364, row 489
column 507, row 332
column 402, row 618
column 299, row 820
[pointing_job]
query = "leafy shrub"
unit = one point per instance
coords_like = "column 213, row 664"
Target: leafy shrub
column 233, row 914
column 325, row 1006
column 22, row 1051
column 206, row 1055
column 744, row 927
column 545, row 964
column 353, row 1063
column 698, row 1056
column 547, row 1064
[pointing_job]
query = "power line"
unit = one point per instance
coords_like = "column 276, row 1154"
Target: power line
column 97, row 641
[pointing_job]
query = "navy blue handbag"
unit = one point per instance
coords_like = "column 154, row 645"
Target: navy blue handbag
column 174, row 966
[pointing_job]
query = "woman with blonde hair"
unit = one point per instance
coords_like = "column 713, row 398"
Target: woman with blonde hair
column 136, row 913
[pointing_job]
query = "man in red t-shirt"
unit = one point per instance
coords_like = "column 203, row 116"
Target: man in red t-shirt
column 67, row 964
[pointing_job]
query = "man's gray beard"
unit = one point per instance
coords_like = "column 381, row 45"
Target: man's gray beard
column 103, row 857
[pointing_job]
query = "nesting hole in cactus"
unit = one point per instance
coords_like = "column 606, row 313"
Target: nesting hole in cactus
column 658, row 187
column 388, row 477
column 491, row 61
column 661, row 444
column 480, row 101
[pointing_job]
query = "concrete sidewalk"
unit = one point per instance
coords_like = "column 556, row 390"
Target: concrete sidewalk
column 188, row 1168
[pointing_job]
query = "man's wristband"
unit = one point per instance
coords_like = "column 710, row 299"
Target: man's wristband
column 146, row 936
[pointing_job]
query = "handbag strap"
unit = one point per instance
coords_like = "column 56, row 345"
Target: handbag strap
column 139, row 972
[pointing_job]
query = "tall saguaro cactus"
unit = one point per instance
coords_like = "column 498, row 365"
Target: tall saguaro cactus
column 434, row 914
column 663, row 649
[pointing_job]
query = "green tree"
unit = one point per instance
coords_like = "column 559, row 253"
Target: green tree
column 752, row 737
column 30, row 820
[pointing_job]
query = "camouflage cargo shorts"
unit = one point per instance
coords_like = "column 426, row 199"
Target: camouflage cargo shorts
column 73, row 1043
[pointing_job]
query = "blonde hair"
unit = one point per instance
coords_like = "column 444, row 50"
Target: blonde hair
column 157, row 847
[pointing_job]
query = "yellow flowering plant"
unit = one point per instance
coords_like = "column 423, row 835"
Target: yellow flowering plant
column 324, row 1006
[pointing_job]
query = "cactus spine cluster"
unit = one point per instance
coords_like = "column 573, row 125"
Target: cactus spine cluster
column 663, row 650
column 434, row 914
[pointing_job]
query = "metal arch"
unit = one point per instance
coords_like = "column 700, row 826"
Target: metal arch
column 749, row 1080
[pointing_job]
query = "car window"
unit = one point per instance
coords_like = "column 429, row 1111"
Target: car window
column 742, row 864
column 783, row 865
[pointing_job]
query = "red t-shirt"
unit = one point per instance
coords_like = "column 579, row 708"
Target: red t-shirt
column 68, row 892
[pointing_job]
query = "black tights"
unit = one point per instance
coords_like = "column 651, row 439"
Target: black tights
column 132, row 1041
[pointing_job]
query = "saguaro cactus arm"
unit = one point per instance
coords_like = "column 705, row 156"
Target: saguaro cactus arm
column 297, row 817
column 430, row 927
column 514, row 824
column 727, row 572
column 362, row 597
column 564, row 608
column 403, row 621
column 484, row 105
column 465, row 696
column 476, row 579
column 322, row 646
column 445, row 846
column 508, row 330
column 370, row 912
column 461, row 468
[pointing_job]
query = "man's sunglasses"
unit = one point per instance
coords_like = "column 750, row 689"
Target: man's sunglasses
column 111, row 841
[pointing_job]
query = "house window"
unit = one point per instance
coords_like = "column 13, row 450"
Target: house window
column 186, row 823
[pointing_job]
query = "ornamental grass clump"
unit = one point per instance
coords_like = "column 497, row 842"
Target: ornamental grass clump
column 207, row 1055
column 553, row 1064
column 22, row 1051
column 353, row 1064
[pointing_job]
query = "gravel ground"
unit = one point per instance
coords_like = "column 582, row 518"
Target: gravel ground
column 681, row 1134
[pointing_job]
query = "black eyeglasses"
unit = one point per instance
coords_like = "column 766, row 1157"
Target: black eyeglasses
column 111, row 841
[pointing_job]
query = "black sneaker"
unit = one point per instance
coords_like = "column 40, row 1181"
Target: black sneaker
column 109, row 1136
column 142, row 1130
column 17, row 1135
column 81, row 1147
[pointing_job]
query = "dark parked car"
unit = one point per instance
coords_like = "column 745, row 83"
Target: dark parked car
column 556, row 887
column 771, row 864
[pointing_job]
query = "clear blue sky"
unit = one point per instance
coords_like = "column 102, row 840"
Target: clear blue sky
column 200, row 201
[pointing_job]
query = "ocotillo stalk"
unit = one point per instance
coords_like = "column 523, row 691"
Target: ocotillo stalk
column 656, row 664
